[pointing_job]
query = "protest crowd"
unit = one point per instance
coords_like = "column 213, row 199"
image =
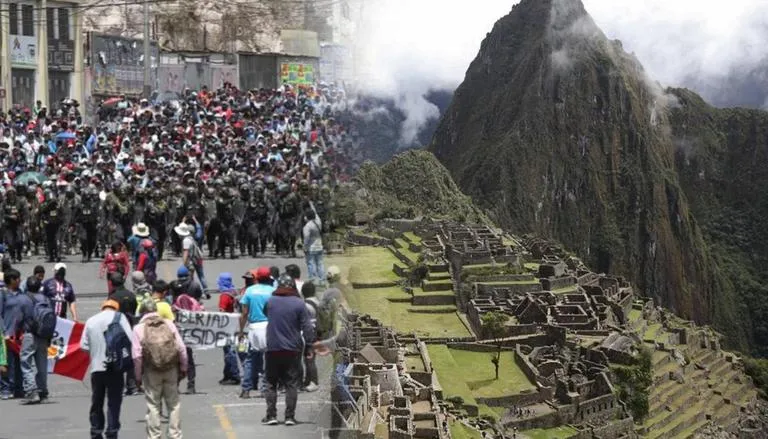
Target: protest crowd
column 216, row 174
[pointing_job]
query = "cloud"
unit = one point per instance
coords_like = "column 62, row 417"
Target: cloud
column 412, row 46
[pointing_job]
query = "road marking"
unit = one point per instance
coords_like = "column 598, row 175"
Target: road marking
column 226, row 424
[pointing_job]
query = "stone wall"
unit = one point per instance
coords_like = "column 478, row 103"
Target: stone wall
column 600, row 409
column 549, row 284
column 434, row 299
column 401, row 225
column 487, row 289
column 525, row 365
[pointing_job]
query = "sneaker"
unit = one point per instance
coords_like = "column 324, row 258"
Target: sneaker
column 290, row 421
column 270, row 420
column 245, row 394
column 312, row 387
column 32, row 399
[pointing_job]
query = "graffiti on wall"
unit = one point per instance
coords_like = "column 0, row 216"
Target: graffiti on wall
column 118, row 64
column 297, row 73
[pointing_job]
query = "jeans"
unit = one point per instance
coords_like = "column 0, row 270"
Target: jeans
column 253, row 370
column 159, row 387
column 310, row 369
column 315, row 267
column 34, row 364
column 231, row 366
column 201, row 276
column 109, row 384
column 283, row 368
column 11, row 384
column 191, row 370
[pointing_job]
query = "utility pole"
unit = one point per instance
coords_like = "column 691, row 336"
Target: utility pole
column 5, row 55
column 147, row 57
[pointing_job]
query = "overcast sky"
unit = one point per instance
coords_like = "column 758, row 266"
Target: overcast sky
column 415, row 44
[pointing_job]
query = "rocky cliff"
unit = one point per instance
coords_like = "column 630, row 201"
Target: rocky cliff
column 557, row 131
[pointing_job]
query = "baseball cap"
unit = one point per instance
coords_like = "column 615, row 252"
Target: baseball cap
column 263, row 273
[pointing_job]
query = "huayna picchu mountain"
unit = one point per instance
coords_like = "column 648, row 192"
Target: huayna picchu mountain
column 557, row 131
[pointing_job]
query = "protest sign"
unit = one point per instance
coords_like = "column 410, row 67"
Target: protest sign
column 208, row 330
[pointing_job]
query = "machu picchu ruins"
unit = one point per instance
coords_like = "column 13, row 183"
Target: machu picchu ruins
column 420, row 363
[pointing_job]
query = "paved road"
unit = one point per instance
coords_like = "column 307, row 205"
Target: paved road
column 216, row 412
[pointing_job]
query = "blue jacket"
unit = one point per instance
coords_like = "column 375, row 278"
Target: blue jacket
column 27, row 310
column 288, row 322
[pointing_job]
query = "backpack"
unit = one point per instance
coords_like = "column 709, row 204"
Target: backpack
column 43, row 318
column 159, row 347
column 115, row 264
column 118, row 346
column 325, row 314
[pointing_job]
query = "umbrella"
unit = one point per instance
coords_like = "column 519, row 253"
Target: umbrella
column 66, row 135
column 111, row 102
column 27, row 177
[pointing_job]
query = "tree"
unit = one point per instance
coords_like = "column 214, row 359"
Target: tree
column 494, row 327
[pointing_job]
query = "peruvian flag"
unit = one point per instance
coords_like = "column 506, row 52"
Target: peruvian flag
column 65, row 357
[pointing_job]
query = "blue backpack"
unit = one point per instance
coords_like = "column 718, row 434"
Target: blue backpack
column 43, row 318
column 118, row 346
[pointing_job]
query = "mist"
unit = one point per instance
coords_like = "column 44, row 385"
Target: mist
column 409, row 47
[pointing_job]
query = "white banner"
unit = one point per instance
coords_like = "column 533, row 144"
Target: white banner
column 208, row 330
column 23, row 50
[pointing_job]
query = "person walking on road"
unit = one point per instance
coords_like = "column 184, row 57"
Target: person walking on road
column 128, row 305
column 192, row 254
column 313, row 247
column 288, row 331
column 60, row 290
column 228, row 302
column 38, row 322
column 11, row 383
column 105, row 382
column 252, row 306
column 160, row 362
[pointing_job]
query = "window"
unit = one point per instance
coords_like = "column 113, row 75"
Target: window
column 13, row 14
column 64, row 24
column 50, row 22
column 27, row 20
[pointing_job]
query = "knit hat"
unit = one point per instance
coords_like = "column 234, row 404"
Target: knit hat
column 224, row 282
column 286, row 281
column 182, row 272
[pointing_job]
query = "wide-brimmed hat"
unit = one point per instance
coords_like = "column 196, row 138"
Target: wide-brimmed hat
column 183, row 230
column 141, row 230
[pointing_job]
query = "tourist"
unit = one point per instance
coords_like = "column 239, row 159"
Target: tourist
column 313, row 247
column 288, row 331
column 228, row 302
column 252, row 313
column 105, row 382
column 140, row 232
column 160, row 362
column 36, row 340
column 61, row 292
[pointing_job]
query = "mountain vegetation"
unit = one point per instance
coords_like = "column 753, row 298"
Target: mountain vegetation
column 557, row 131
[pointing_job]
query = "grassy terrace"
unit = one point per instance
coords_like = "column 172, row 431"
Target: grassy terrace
column 403, row 248
column 470, row 374
column 635, row 315
column 366, row 264
column 412, row 237
column 565, row 290
column 401, row 315
column 563, row 432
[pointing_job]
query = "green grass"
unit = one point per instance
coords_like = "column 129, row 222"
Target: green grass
column 412, row 237
column 562, row 432
column 471, row 374
column 367, row 265
column 565, row 290
column 531, row 266
column 512, row 282
column 650, row 331
column 412, row 256
column 461, row 431
column 414, row 363
column 374, row 302
column 635, row 315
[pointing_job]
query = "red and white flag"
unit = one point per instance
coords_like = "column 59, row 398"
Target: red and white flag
column 65, row 357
